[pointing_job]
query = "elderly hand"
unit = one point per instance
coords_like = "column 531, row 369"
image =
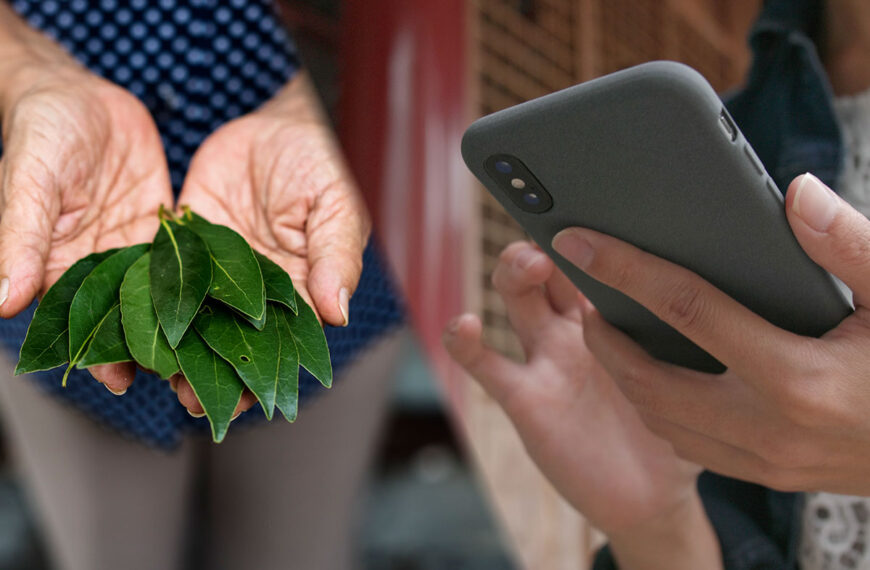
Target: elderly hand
column 790, row 412
column 83, row 170
column 277, row 177
column 578, row 427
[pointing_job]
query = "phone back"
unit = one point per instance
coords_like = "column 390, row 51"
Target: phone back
column 649, row 155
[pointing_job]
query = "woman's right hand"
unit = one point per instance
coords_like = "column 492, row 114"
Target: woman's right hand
column 82, row 170
column 583, row 434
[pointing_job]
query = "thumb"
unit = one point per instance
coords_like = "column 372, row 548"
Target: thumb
column 335, row 248
column 28, row 215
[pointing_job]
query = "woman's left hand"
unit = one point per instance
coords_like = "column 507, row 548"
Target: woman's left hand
column 277, row 176
column 790, row 412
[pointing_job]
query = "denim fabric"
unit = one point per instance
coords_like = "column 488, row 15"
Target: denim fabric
column 786, row 112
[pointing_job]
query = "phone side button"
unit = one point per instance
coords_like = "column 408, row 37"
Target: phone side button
column 750, row 154
column 774, row 190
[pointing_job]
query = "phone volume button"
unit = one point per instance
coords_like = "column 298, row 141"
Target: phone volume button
column 756, row 163
column 773, row 189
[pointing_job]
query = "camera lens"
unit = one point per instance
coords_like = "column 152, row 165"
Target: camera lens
column 531, row 199
column 504, row 167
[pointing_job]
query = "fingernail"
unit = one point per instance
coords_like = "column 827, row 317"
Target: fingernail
column 814, row 203
column 526, row 259
column 237, row 414
column 195, row 415
column 118, row 393
column 4, row 290
column 453, row 326
column 574, row 248
column 343, row 302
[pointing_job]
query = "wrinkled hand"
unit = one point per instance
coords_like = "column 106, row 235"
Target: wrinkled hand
column 577, row 426
column 277, row 177
column 790, row 412
column 83, row 170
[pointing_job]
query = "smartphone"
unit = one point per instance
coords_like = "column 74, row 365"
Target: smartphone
column 650, row 155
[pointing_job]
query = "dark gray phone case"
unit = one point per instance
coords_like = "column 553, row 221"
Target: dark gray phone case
column 645, row 155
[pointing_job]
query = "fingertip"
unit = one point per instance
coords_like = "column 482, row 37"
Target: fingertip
column 331, row 293
column 246, row 402
column 16, row 294
column 462, row 337
column 117, row 378
column 187, row 397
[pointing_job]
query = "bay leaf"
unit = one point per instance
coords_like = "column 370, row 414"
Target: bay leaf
column 46, row 344
column 256, row 323
column 96, row 297
column 145, row 339
column 310, row 342
column 180, row 273
column 108, row 345
column 254, row 354
column 287, row 394
column 279, row 286
column 214, row 382
column 236, row 276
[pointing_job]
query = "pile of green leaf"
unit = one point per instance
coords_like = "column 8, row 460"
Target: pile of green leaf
column 197, row 300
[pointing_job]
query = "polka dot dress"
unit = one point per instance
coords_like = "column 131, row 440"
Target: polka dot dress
column 195, row 64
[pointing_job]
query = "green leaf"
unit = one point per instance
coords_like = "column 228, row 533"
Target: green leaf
column 214, row 382
column 145, row 338
column 96, row 297
column 46, row 345
column 236, row 278
column 310, row 341
column 180, row 273
column 258, row 324
column 279, row 286
column 108, row 345
column 287, row 395
column 254, row 354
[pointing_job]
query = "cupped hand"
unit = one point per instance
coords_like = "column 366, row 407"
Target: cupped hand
column 790, row 412
column 577, row 426
column 277, row 176
column 83, row 170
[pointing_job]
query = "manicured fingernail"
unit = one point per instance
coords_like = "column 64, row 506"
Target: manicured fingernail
column 574, row 248
column 196, row 415
column 118, row 393
column 343, row 303
column 4, row 290
column 815, row 203
column 526, row 259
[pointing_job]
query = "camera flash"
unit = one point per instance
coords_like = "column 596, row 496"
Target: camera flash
column 518, row 183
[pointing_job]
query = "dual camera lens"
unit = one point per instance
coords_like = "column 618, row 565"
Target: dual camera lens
column 519, row 184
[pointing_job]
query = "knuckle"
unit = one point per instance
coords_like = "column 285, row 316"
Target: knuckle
column 622, row 276
column 684, row 306
column 852, row 244
column 813, row 404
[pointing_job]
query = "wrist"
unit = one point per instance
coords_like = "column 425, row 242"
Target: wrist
column 682, row 537
column 26, row 58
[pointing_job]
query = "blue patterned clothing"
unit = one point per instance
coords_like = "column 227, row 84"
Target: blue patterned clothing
column 195, row 64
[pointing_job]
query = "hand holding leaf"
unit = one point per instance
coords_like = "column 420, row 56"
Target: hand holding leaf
column 187, row 301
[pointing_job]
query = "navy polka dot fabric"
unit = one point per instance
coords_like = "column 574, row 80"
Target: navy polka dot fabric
column 195, row 64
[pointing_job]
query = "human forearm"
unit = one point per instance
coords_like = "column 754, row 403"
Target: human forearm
column 681, row 538
column 24, row 54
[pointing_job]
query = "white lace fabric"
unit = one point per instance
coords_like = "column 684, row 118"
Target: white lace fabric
column 836, row 528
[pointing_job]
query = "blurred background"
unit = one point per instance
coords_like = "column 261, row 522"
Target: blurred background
column 450, row 486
